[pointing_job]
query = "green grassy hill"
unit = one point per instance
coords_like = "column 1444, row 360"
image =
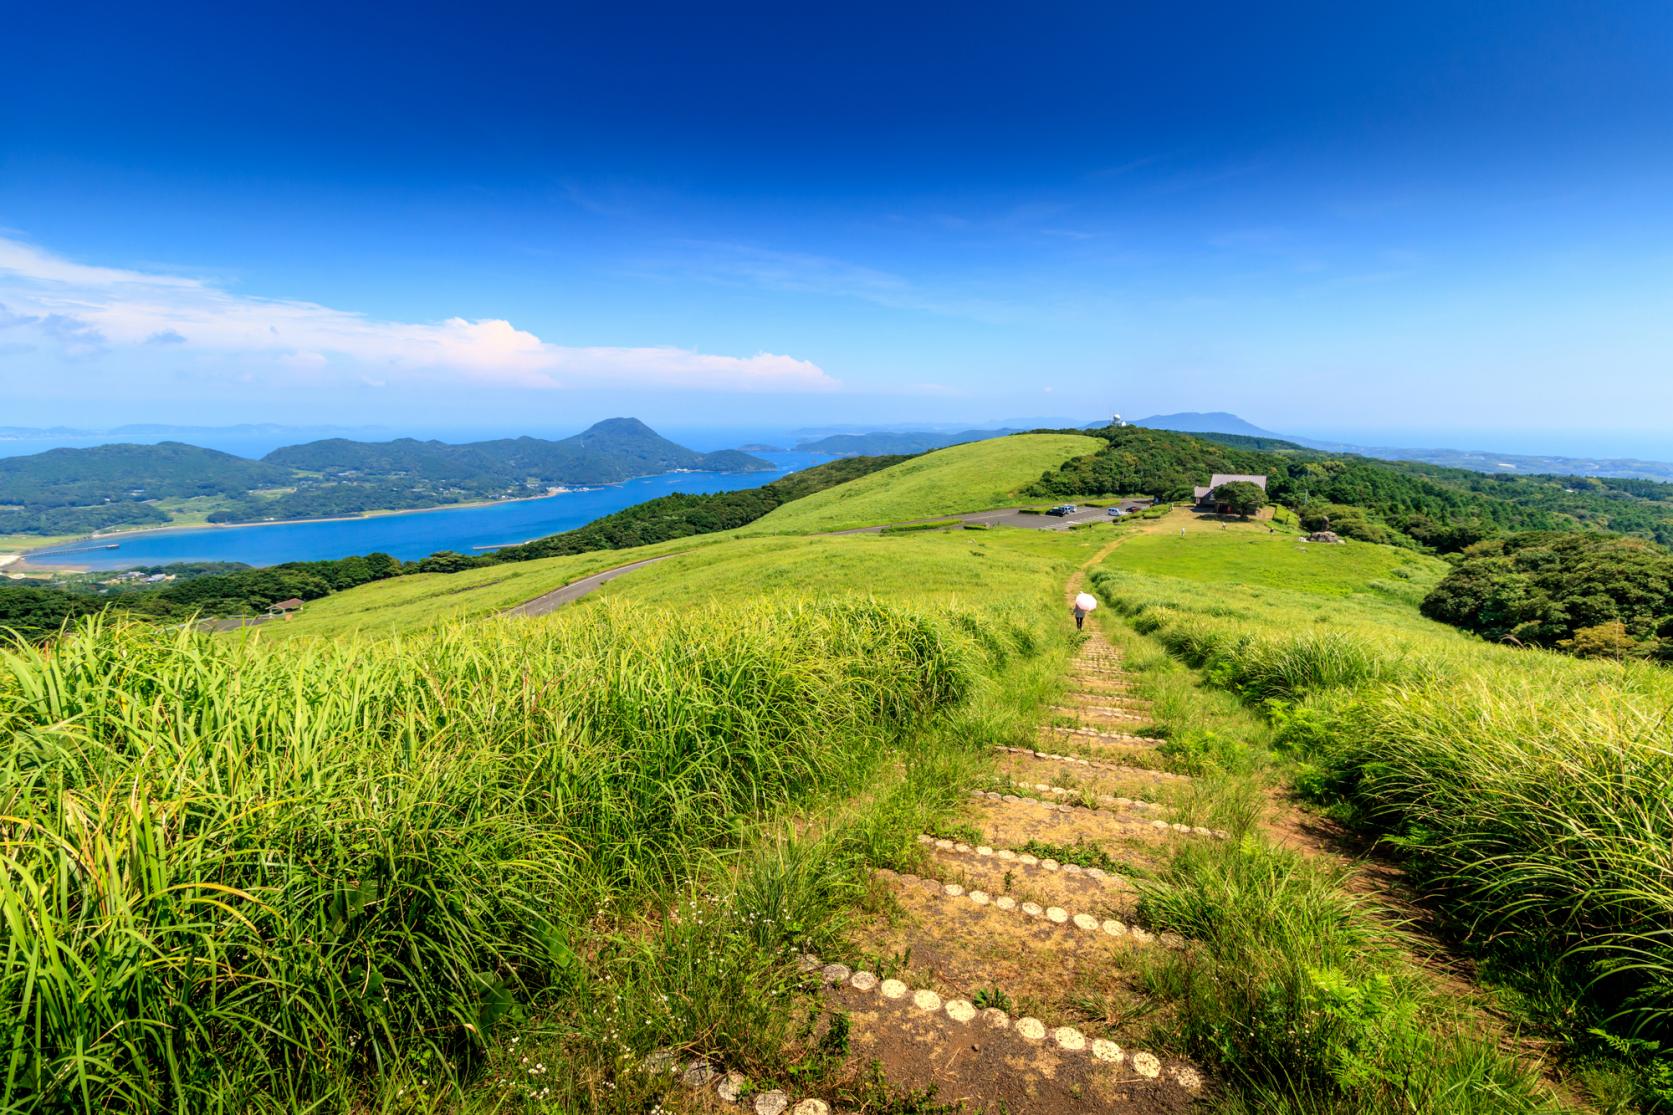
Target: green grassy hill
column 475, row 863
column 962, row 478
column 972, row 477
column 1525, row 791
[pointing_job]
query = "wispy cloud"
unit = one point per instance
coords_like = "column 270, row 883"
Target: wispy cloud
column 84, row 310
column 805, row 273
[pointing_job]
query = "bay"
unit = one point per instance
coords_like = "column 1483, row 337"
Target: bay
column 408, row 535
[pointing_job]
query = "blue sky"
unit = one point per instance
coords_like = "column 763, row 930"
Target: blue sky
column 1414, row 219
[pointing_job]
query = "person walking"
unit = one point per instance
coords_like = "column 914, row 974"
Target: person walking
column 1084, row 603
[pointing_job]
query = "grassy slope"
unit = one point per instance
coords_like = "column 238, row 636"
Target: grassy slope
column 425, row 599
column 932, row 484
column 973, row 477
column 1248, row 555
column 1525, row 789
column 953, row 568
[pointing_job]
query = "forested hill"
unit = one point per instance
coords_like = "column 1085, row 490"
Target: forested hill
column 73, row 491
column 1379, row 501
column 611, row 451
column 70, row 491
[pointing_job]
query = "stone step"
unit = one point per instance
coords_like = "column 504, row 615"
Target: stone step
column 1115, row 739
column 1084, row 713
column 1157, row 824
column 1108, row 801
column 1054, row 917
column 1026, row 877
column 990, row 1060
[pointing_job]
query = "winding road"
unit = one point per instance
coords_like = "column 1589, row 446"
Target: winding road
column 573, row 591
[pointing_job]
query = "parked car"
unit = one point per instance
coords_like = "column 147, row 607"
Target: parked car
column 1062, row 509
column 1116, row 512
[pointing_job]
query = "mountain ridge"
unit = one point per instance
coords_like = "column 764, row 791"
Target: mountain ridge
column 70, row 491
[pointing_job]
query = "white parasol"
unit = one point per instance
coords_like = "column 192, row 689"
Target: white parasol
column 1086, row 602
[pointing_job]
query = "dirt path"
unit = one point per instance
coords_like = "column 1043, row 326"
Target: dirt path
column 1002, row 972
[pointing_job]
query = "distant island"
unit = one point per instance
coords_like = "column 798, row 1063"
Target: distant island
column 1473, row 460
column 68, row 492
column 893, row 442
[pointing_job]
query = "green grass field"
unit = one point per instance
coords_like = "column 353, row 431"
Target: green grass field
column 953, row 569
column 1525, row 790
column 1248, row 555
column 973, row 477
column 913, row 489
column 421, row 600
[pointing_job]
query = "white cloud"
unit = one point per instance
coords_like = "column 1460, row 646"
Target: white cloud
column 86, row 309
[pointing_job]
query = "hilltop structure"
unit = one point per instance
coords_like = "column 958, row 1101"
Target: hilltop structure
column 1205, row 496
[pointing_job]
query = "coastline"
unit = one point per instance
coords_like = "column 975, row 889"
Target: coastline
column 21, row 562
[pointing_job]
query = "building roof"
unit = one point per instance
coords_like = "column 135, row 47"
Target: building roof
column 1229, row 478
column 286, row 605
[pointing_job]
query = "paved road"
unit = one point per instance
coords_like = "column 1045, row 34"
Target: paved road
column 573, row 591
column 1013, row 517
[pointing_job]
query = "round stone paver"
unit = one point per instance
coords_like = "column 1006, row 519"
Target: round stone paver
column 1147, row 1066
column 960, row 1010
column 1085, row 921
column 771, row 1103
column 1106, row 1050
column 893, row 989
column 1069, row 1039
column 1005, row 902
column 811, row 1107
column 925, row 999
column 995, row 1018
column 1057, row 914
column 697, row 1075
column 1114, row 928
column 835, row 973
column 953, row 890
column 1031, row 1028
column 1033, row 909
column 863, row 981
column 979, row 897
column 731, row 1086
column 1188, row 1079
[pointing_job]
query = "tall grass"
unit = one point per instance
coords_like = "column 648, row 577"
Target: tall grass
column 230, row 870
column 1532, row 794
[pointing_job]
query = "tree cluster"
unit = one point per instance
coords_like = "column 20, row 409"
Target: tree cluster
column 1585, row 592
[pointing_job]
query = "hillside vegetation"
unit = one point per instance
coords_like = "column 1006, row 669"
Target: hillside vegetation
column 386, row 853
column 1394, row 502
column 1597, row 595
column 1527, row 792
column 975, row 476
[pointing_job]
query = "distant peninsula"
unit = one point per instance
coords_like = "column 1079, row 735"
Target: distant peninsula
column 69, row 492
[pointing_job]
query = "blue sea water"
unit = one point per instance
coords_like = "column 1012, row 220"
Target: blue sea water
column 409, row 535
